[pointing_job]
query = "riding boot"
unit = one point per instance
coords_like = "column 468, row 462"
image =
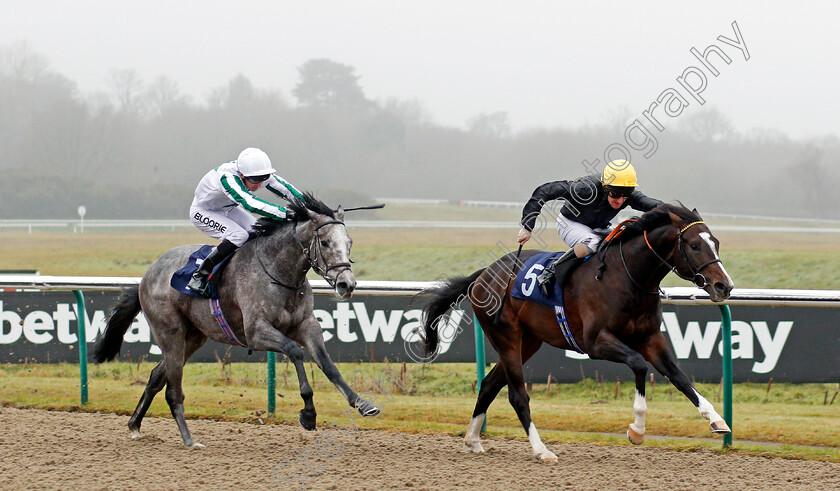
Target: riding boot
column 199, row 282
column 547, row 275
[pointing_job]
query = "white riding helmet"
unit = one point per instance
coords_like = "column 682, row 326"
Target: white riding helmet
column 254, row 162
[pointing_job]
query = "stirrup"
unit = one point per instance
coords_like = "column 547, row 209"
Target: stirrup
column 200, row 285
column 545, row 280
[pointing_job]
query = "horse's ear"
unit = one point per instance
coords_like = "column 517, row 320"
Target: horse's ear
column 675, row 219
column 339, row 213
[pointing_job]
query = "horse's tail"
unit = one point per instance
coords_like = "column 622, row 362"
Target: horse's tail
column 443, row 297
column 122, row 315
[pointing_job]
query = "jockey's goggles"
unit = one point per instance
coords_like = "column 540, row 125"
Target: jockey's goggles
column 619, row 192
column 258, row 178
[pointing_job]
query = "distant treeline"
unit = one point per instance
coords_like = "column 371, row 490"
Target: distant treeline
column 138, row 150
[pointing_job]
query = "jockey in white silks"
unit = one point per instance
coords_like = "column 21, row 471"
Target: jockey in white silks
column 224, row 202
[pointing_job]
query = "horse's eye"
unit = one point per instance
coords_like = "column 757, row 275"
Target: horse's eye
column 324, row 243
column 695, row 247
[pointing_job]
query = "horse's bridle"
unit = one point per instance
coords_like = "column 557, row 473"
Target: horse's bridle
column 312, row 253
column 697, row 278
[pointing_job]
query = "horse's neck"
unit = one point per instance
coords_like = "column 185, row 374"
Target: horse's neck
column 289, row 257
column 643, row 264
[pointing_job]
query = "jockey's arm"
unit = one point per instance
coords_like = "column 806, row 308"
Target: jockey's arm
column 640, row 202
column 283, row 188
column 236, row 190
column 543, row 194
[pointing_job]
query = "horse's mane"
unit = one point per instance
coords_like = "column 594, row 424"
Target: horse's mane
column 269, row 226
column 657, row 217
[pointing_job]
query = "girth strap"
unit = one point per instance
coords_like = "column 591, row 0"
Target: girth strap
column 216, row 310
column 560, row 314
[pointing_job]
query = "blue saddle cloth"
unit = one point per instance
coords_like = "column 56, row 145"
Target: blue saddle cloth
column 181, row 277
column 525, row 285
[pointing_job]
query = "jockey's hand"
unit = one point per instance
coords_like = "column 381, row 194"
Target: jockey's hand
column 290, row 215
column 523, row 237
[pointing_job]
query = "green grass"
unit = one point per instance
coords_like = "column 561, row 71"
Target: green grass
column 754, row 260
column 791, row 421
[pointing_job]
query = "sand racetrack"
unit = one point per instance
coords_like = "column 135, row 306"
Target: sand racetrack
column 52, row 450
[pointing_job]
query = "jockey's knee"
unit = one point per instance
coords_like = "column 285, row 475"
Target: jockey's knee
column 237, row 237
column 584, row 249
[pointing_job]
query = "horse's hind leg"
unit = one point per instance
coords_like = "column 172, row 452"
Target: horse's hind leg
column 608, row 347
column 661, row 357
column 490, row 387
column 157, row 380
column 511, row 360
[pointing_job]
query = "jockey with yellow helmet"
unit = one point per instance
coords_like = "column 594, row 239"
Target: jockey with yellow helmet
column 591, row 203
column 223, row 200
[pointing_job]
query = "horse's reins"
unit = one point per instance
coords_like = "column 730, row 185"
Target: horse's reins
column 694, row 270
column 703, row 282
column 311, row 253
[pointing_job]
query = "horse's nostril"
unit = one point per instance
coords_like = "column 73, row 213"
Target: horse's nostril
column 720, row 286
column 342, row 285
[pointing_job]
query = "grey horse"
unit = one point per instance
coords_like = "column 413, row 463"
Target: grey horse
column 264, row 296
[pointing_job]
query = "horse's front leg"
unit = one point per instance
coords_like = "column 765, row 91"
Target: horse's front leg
column 608, row 347
column 312, row 338
column 266, row 338
column 661, row 357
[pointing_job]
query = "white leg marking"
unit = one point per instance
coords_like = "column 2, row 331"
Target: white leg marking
column 640, row 410
column 708, row 238
column 539, row 449
column 472, row 440
column 706, row 409
column 135, row 434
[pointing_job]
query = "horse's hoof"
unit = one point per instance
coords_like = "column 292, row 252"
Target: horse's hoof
column 366, row 409
column 196, row 445
column 474, row 447
column 135, row 434
column 308, row 424
column 635, row 438
column 720, row 427
column 547, row 457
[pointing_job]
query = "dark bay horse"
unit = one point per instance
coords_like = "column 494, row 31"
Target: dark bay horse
column 263, row 294
column 615, row 318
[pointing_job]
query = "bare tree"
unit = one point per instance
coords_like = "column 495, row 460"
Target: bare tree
column 493, row 125
column 127, row 88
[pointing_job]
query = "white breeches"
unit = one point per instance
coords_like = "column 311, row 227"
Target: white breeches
column 232, row 223
column 574, row 233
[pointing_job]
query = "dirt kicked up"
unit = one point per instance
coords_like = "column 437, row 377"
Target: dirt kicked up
column 59, row 450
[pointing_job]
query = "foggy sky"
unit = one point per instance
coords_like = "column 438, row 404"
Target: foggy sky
column 546, row 63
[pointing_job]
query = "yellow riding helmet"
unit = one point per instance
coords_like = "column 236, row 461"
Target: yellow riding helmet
column 619, row 173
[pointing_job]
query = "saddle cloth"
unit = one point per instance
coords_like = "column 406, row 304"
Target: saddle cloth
column 525, row 287
column 181, row 277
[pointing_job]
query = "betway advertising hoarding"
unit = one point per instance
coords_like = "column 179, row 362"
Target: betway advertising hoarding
column 791, row 344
